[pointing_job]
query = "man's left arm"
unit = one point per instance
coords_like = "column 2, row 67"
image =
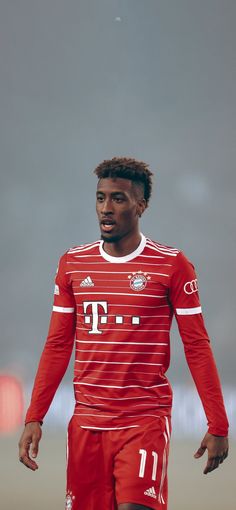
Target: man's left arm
column 185, row 300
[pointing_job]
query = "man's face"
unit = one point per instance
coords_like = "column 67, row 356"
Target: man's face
column 118, row 208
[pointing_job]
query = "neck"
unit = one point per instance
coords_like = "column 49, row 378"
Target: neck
column 124, row 246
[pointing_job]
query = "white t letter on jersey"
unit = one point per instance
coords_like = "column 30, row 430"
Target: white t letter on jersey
column 95, row 305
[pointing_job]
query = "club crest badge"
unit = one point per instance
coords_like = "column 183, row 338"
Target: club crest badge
column 69, row 500
column 138, row 280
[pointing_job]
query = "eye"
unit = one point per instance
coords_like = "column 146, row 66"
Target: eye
column 119, row 199
column 100, row 198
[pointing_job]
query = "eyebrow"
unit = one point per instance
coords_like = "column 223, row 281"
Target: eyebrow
column 114, row 193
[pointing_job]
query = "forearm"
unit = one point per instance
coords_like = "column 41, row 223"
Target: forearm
column 52, row 366
column 202, row 366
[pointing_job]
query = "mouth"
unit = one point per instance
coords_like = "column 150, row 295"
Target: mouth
column 107, row 225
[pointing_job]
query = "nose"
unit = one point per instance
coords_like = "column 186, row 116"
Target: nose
column 106, row 206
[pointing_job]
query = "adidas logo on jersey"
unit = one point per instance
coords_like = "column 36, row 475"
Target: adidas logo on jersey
column 151, row 492
column 87, row 282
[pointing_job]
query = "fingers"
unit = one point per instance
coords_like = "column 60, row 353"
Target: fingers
column 213, row 463
column 217, row 447
column 35, row 447
column 30, row 438
column 224, row 456
column 24, row 457
column 200, row 452
column 29, row 463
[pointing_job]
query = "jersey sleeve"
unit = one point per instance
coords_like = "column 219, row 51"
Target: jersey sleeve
column 58, row 347
column 184, row 298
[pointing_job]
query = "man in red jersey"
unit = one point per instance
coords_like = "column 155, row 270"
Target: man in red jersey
column 115, row 299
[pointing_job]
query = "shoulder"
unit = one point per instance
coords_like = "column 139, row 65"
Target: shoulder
column 76, row 251
column 162, row 248
column 83, row 248
column 177, row 258
column 72, row 256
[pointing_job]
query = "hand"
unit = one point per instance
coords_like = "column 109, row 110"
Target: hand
column 31, row 436
column 217, row 447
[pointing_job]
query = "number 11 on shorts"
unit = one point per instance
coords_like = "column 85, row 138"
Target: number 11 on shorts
column 143, row 459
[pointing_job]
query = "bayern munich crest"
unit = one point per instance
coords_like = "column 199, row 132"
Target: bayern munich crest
column 139, row 280
column 69, row 500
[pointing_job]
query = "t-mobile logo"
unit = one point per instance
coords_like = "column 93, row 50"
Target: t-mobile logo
column 95, row 315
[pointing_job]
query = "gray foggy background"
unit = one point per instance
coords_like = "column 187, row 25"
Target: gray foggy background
column 85, row 80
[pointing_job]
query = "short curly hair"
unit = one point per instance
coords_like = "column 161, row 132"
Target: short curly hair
column 127, row 168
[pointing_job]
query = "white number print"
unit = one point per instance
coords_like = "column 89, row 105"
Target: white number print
column 154, row 468
column 143, row 454
column 143, row 459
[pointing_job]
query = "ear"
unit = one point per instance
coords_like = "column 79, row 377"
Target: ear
column 141, row 206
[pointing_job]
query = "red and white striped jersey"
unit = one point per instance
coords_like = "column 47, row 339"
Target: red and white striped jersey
column 119, row 311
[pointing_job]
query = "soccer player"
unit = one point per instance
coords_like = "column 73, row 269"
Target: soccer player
column 115, row 299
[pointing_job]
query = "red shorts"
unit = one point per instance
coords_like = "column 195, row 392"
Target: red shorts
column 106, row 468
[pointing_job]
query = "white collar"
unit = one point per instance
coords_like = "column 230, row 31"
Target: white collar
column 125, row 258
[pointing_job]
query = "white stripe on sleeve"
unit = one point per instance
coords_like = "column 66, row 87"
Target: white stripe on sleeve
column 189, row 311
column 62, row 309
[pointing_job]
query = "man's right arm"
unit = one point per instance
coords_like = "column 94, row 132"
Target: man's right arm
column 53, row 363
